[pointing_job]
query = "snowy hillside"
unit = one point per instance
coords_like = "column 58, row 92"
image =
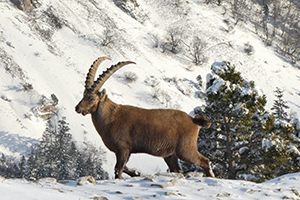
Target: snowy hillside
column 153, row 187
column 47, row 52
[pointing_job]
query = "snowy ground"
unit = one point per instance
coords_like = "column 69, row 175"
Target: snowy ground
column 163, row 186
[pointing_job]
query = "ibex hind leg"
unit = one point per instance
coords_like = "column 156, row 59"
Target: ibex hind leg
column 131, row 172
column 198, row 159
column 172, row 162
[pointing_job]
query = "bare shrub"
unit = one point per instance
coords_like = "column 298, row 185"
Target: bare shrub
column 197, row 48
column 173, row 40
column 161, row 96
column 207, row 1
column 165, row 98
column 177, row 3
column 45, row 34
column 130, row 77
column 52, row 19
column 155, row 41
column 248, row 48
column 200, row 81
column 152, row 81
column 27, row 87
column 109, row 36
column 156, row 93
column 229, row 25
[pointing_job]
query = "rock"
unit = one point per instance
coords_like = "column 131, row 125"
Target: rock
column 48, row 180
column 286, row 197
column 224, row 194
column 137, row 198
column 26, row 5
column 99, row 198
column 148, row 178
column 296, row 192
column 86, row 180
column 64, row 181
column 174, row 194
column 251, row 191
column 172, row 183
column 194, row 174
column 280, row 190
column 59, row 190
column 171, row 175
column 170, row 193
column 130, row 185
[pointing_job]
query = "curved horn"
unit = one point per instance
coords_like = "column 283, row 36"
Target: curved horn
column 106, row 74
column 91, row 74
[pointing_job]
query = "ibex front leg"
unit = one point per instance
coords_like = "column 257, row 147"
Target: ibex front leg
column 122, row 158
column 172, row 162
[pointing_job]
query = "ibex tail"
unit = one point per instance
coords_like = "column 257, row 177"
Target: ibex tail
column 202, row 121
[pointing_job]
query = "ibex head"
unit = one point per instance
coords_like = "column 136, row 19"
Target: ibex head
column 92, row 96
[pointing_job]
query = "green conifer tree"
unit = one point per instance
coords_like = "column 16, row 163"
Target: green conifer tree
column 21, row 167
column 279, row 106
column 231, row 102
column 244, row 140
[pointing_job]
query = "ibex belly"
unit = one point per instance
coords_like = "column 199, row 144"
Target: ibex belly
column 158, row 140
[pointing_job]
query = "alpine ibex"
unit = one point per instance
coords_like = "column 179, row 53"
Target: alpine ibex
column 167, row 133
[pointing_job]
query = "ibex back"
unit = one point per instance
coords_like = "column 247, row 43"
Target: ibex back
column 167, row 133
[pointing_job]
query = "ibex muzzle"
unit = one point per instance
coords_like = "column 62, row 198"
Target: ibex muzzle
column 167, row 133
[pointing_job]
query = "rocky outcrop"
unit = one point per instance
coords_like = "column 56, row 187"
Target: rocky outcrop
column 26, row 5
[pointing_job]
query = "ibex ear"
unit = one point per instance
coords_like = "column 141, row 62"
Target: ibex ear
column 103, row 93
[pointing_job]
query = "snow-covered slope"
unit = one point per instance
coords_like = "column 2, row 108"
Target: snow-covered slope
column 154, row 187
column 52, row 47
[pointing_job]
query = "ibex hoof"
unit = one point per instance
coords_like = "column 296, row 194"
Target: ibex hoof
column 210, row 171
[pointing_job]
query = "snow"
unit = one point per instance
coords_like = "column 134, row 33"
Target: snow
column 160, row 186
column 59, row 66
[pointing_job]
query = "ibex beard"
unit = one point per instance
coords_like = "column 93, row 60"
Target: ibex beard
column 166, row 133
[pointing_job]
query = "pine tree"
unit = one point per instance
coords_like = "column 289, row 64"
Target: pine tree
column 21, row 167
column 232, row 102
column 93, row 161
column 31, row 165
column 280, row 150
column 80, row 166
column 63, row 146
column 56, row 155
column 2, row 165
column 244, row 139
column 53, row 150
column 279, row 106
